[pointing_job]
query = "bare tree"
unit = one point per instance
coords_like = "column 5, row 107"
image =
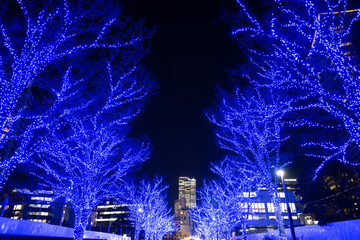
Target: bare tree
column 148, row 209
column 87, row 166
column 309, row 43
column 41, row 36
column 225, row 203
column 85, row 157
column 249, row 126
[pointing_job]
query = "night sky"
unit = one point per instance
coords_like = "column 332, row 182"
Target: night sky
column 190, row 53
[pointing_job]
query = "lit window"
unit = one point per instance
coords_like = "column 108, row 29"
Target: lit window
column 281, row 194
column 292, row 207
column 39, row 205
column 37, row 198
column 270, row 207
column 112, row 212
column 258, row 207
column 284, row 207
column 18, row 207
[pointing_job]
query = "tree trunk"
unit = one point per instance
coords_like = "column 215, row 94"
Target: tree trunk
column 81, row 219
column 279, row 219
column 243, row 225
column 136, row 233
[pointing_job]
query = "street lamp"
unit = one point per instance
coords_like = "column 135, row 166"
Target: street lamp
column 281, row 174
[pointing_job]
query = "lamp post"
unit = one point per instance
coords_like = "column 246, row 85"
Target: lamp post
column 137, row 229
column 281, row 174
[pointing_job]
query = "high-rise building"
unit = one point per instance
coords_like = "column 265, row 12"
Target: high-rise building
column 187, row 192
column 186, row 201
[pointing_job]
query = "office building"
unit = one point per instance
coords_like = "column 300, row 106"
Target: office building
column 113, row 218
column 187, row 192
column 186, row 202
column 262, row 214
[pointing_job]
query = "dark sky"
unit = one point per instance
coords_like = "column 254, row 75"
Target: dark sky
column 190, row 53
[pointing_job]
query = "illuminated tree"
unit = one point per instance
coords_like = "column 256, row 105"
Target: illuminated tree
column 241, row 185
column 164, row 224
column 309, row 42
column 148, row 209
column 88, row 166
column 87, row 155
column 249, row 125
column 214, row 215
column 39, row 37
column 225, row 203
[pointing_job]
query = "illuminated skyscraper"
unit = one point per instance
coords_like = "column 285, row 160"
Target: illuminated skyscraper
column 187, row 192
column 186, row 201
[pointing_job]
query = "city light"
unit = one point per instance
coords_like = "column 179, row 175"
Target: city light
column 280, row 173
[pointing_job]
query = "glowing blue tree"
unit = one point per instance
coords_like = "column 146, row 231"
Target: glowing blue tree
column 148, row 209
column 310, row 43
column 87, row 155
column 46, row 34
column 225, row 203
column 88, row 166
column 241, row 185
column 248, row 124
column 214, row 216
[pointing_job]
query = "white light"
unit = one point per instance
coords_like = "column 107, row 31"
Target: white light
column 280, row 173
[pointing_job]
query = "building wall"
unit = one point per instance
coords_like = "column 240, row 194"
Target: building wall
column 187, row 192
column 262, row 214
column 40, row 208
column 31, row 208
column 186, row 201
column 107, row 217
column 113, row 218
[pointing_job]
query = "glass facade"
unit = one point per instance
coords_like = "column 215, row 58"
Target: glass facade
column 187, row 192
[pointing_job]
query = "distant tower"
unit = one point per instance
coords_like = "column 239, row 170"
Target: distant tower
column 186, row 201
column 187, row 192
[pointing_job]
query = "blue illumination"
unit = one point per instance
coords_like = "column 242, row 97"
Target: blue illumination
column 148, row 209
column 294, row 56
column 309, row 44
column 49, row 34
column 87, row 166
column 80, row 143
column 248, row 124
column 225, row 203
column 85, row 157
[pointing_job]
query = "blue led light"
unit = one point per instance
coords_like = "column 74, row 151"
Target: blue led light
column 79, row 144
column 148, row 209
column 225, row 203
column 49, row 35
column 308, row 43
column 85, row 157
column 248, row 124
